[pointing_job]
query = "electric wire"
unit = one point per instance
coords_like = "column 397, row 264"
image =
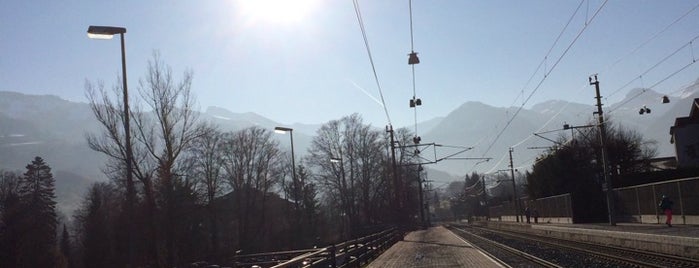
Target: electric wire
column 371, row 59
column 653, row 37
column 653, row 86
column 545, row 76
column 620, row 59
column 656, row 65
column 412, row 50
column 548, row 53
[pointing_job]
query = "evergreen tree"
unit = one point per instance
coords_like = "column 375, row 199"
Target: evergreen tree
column 37, row 198
column 10, row 225
column 94, row 225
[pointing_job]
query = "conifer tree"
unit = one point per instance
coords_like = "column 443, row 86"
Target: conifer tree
column 10, row 215
column 36, row 194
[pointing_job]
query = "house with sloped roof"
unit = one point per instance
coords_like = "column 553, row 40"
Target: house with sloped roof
column 685, row 136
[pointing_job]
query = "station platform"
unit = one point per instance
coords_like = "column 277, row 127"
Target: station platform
column 433, row 247
column 679, row 240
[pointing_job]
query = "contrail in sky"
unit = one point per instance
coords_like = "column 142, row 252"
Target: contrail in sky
column 365, row 92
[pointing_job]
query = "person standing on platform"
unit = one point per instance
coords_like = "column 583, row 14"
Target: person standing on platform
column 528, row 213
column 666, row 206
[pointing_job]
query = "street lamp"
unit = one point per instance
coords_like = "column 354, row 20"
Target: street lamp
column 284, row 130
column 108, row 32
column 347, row 232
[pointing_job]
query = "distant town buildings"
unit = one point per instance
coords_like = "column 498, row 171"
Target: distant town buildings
column 685, row 136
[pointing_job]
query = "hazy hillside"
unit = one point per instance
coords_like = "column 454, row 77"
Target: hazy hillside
column 478, row 125
column 54, row 129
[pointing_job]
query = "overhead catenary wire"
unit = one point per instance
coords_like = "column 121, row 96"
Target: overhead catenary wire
column 538, row 86
column 371, row 59
column 412, row 66
column 544, row 60
column 643, row 90
column 620, row 59
column 653, row 37
column 688, row 44
column 654, row 85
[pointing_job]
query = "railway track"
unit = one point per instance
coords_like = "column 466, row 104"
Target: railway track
column 503, row 254
column 585, row 252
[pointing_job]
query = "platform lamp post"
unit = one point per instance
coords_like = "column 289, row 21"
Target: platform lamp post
column 284, row 130
column 346, row 225
column 108, row 32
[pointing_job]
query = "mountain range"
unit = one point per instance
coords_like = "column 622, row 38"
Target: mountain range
column 54, row 128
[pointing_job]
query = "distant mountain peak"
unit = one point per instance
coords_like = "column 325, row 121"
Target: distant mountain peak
column 221, row 112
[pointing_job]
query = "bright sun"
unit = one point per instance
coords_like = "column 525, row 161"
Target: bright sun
column 277, row 11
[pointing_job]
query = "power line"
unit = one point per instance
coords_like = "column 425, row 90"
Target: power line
column 656, row 65
column 612, row 65
column 548, row 53
column 546, row 76
column 543, row 61
column 412, row 60
column 371, row 59
column 654, row 85
column 653, row 37
column 620, row 59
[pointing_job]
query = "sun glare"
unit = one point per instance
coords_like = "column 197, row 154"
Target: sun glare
column 277, row 11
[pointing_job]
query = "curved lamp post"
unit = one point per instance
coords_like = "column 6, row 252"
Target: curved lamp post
column 108, row 32
column 284, row 130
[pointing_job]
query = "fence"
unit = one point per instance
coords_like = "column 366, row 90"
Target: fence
column 634, row 204
column 353, row 253
column 552, row 209
column 640, row 203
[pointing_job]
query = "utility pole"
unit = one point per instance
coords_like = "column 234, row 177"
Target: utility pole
column 485, row 199
column 605, row 157
column 396, row 187
column 421, row 198
column 514, row 186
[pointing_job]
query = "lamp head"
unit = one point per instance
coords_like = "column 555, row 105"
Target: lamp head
column 413, row 59
column 665, row 99
column 104, row 32
column 282, row 130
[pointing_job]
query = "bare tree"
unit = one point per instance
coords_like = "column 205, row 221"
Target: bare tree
column 163, row 131
column 355, row 177
column 206, row 160
column 253, row 166
column 107, row 108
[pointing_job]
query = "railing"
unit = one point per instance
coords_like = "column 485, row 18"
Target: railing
column 640, row 203
column 635, row 204
column 551, row 209
column 352, row 253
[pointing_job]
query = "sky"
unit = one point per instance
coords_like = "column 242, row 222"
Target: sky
column 305, row 61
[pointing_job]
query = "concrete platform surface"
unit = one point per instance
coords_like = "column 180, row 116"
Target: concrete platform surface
column 434, row 247
column 680, row 230
column 678, row 240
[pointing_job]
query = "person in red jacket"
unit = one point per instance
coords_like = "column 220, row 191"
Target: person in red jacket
column 666, row 206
